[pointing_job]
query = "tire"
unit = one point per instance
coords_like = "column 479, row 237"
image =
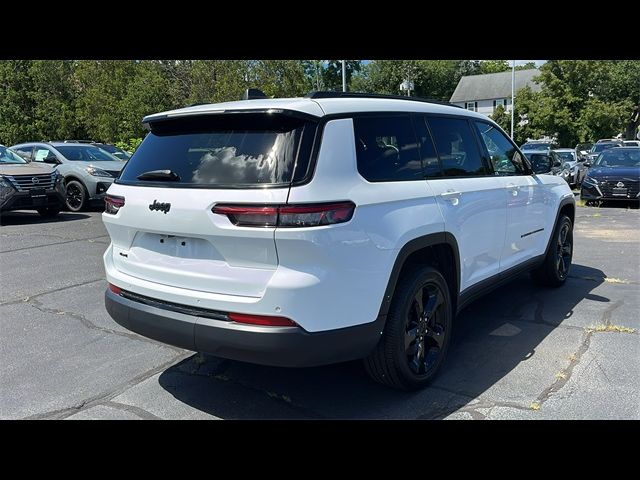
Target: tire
column 76, row 198
column 49, row 212
column 555, row 269
column 411, row 351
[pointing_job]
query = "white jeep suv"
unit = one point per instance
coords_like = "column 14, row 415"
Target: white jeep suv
column 306, row 231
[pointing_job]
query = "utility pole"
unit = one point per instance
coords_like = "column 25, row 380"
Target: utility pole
column 344, row 76
column 513, row 93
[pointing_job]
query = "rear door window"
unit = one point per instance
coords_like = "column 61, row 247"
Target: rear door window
column 218, row 151
column 457, row 147
column 387, row 149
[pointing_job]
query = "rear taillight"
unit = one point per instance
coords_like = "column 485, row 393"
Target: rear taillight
column 113, row 203
column 114, row 289
column 261, row 320
column 302, row 215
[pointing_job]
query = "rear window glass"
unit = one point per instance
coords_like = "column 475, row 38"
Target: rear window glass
column 217, row 151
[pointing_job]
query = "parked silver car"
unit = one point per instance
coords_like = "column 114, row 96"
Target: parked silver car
column 573, row 169
column 88, row 171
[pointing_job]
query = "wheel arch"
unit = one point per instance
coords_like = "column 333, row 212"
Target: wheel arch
column 439, row 250
column 567, row 207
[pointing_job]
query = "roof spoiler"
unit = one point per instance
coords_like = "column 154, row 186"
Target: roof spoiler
column 253, row 93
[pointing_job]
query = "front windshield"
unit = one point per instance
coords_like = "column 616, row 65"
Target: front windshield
column 8, row 156
column 85, row 153
column 566, row 156
column 628, row 157
column 536, row 146
column 599, row 147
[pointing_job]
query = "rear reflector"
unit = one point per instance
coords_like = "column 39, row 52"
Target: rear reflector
column 114, row 289
column 262, row 320
column 301, row 215
column 113, row 203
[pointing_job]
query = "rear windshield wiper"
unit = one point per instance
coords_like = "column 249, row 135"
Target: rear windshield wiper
column 168, row 175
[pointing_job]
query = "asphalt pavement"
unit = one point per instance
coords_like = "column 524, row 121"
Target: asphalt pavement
column 521, row 352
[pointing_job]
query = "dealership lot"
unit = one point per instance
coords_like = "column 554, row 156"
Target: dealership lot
column 521, row 352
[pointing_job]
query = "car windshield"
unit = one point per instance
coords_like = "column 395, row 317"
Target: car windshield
column 536, row 146
column 566, row 156
column 599, row 147
column 627, row 157
column 8, row 156
column 85, row 153
column 115, row 151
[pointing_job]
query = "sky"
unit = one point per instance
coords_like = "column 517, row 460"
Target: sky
column 538, row 62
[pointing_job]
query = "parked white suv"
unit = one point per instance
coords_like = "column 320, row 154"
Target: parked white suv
column 307, row 231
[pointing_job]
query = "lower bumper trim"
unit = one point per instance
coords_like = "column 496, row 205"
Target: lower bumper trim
column 274, row 346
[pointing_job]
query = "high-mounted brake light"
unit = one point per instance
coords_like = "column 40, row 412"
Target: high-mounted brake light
column 113, row 203
column 300, row 215
column 262, row 320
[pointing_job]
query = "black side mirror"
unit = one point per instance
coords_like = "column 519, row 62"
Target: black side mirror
column 52, row 159
column 542, row 164
column 587, row 163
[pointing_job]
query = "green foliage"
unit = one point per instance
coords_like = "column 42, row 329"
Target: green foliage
column 494, row 66
column 581, row 100
column 106, row 100
column 502, row 118
column 432, row 78
column 130, row 145
column 16, row 103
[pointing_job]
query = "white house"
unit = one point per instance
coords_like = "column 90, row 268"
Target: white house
column 483, row 93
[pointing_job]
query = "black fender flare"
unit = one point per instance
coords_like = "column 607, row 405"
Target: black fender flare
column 412, row 246
column 565, row 201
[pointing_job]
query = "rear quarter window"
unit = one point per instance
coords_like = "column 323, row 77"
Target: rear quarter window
column 387, row 148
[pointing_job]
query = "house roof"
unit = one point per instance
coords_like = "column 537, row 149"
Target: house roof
column 493, row 85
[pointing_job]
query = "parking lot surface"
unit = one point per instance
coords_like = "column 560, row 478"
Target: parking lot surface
column 521, row 352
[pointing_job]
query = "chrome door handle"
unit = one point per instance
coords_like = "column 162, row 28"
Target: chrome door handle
column 513, row 188
column 452, row 196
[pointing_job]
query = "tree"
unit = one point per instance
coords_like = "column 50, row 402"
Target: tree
column 502, row 118
column 16, row 105
column 494, row 66
column 54, row 99
column 431, row 78
column 526, row 66
column 583, row 100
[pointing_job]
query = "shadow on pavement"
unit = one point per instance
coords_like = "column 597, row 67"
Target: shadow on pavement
column 492, row 336
column 23, row 217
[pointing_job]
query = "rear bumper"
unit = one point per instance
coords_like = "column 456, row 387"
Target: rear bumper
column 24, row 201
column 275, row 346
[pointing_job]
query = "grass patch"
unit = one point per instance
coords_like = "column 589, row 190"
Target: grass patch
column 535, row 406
column 615, row 280
column 610, row 328
column 561, row 375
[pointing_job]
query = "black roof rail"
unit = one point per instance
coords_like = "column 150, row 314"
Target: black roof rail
column 376, row 95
